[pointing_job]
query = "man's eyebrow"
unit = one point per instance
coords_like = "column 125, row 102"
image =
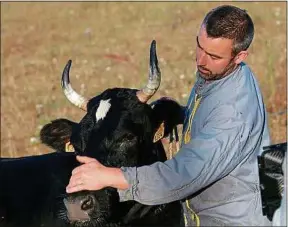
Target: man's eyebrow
column 198, row 44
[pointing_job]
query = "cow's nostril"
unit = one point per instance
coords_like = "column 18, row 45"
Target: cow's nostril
column 87, row 203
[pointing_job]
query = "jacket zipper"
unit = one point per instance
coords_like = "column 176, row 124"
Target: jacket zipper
column 187, row 135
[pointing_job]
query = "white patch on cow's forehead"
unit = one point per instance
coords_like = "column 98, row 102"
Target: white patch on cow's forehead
column 102, row 110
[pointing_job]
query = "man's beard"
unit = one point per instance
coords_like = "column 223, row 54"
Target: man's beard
column 217, row 76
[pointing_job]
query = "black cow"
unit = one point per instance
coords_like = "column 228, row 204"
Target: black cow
column 119, row 129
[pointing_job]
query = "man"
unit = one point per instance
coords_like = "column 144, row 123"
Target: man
column 224, row 129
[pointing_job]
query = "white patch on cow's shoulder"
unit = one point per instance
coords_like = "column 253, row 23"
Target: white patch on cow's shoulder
column 102, row 110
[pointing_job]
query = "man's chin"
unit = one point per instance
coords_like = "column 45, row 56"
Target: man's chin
column 209, row 76
column 205, row 76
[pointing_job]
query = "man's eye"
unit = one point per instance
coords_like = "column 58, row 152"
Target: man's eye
column 214, row 58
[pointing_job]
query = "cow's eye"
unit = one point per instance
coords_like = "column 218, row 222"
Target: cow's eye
column 129, row 137
column 126, row 139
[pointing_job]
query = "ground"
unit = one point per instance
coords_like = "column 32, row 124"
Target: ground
column 108, row 43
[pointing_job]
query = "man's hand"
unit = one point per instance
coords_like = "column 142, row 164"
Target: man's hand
column 92, row 175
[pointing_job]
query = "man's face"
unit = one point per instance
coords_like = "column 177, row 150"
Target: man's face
column 214, row 56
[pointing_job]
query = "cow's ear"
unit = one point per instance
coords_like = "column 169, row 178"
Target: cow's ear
column 166, row 114
column 57, row 133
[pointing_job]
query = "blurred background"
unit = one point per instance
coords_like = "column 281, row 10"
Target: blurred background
column 108, row 43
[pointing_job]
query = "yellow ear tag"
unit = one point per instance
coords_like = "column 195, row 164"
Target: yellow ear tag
column 159, row 133
column 69, row 147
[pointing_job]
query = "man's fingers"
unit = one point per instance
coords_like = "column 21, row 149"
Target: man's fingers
column 84, row 159
column 79, row 169
column 80, row 175
column 75, row 179
column 76, row 188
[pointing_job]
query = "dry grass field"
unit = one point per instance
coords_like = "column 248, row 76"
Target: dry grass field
column 108, row 43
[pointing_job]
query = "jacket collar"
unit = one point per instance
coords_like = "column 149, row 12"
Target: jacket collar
column 204, row 87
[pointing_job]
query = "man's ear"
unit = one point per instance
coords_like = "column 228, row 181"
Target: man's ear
column 57, row 133
column 240, row 57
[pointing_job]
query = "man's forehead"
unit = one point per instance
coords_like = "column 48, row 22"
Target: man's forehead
column 217, row 46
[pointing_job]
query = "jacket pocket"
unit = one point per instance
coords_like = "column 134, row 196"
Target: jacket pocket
column 223, row 190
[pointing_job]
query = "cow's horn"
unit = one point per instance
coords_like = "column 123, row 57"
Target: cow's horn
column 154, row 77
column 69, row 92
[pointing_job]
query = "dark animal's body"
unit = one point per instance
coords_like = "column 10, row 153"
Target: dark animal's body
column 31, row 188
column 32, row 191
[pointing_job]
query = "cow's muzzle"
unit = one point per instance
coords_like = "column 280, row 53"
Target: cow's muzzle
column 79, row 209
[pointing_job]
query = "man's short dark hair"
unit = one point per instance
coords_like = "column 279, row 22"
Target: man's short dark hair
column 232, row 23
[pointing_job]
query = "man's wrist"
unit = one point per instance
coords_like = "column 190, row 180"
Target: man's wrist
column 117, row 179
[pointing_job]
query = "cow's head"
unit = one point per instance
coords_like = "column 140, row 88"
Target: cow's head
column 118, row 130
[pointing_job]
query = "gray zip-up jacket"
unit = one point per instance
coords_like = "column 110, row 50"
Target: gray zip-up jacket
column 217, row 169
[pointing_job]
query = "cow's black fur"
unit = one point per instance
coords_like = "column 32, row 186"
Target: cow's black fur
column 32, row 188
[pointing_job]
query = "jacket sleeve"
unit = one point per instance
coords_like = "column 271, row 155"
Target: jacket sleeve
column 213, row 153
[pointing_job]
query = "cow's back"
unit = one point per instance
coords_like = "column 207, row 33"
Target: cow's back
column 30, row 187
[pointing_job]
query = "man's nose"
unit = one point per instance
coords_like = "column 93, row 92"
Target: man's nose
column 201, row 58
